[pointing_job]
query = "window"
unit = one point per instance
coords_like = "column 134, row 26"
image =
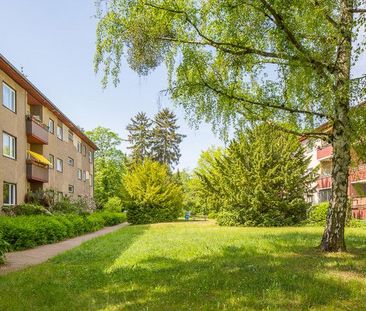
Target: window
column 79, row 146
column 9, row 146
column 9, row 194
column 90, row 157
column 70, row 161
column 325, row 195
column 360, row 189
column 51, row 158
column 84, row 176
column 71, row 136
column 9, row 97
column 59, row 196
column 51, row 126
column 80, row 174
column 59, row 165
column 59, row 132
column 83, row 150
column 71, row 189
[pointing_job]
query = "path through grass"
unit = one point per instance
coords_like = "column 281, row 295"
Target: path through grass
column 195, row 266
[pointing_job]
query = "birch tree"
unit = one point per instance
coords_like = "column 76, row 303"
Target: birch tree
column 233, row 61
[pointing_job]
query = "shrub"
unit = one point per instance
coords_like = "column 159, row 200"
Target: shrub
column 41, row 197
column 29, row 231
column 3, row 248
column 152, row 194
column 317, row 214
column 25, row 209
column 228, row 218
column 113, row 204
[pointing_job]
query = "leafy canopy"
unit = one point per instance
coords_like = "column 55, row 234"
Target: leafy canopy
column 231, row 61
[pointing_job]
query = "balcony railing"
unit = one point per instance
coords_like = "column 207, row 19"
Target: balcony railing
column 325, row 153
column 37, row 171
column 37, row 132
column 324, row 182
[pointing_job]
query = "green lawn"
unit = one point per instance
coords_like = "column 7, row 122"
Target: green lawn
column 195, row 266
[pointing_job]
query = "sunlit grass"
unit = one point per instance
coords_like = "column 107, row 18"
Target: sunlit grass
column 196, row 266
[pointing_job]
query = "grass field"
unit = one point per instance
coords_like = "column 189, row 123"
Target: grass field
column 195, row 266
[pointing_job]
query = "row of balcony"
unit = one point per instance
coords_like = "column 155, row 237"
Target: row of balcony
column 37, row 132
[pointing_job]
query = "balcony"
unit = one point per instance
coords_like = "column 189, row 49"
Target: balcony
column 37, row 172
column 37, row 133
column 324, row 182
column 325, row 153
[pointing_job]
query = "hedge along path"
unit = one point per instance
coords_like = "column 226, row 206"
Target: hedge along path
column 21, row 259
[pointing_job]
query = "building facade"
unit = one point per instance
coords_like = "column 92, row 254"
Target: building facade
column 41, row 148
column 321, row 155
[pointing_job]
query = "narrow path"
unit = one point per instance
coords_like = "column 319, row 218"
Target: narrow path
column 18, row 260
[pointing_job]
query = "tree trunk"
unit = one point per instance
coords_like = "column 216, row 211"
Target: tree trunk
column 333, row 237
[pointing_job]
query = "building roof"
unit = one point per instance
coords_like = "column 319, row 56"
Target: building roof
column 20, row 79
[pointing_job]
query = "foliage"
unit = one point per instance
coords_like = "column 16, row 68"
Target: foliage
column 40, row 197
column 283, row 62
column 260, row 179
column 165, row 138
column 29, row 231
column 317, row 214
column 107, row 142
column 25, row 209
column 114, row 204
column 152, row 194
column 228, row 218
column 3, row 248
column 175, row 266
column 139, row 137
column 110, row 164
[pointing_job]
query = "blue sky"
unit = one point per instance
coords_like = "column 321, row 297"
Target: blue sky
column 54, row 41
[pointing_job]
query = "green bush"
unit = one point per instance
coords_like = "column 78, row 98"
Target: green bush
column 3, row 248
column 317, row 214
column 29, row 231
column 152, row 194
column 228, row 218
column 26, row 209
column 114, row 204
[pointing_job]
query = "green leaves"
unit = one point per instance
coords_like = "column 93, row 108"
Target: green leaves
column 152, row 194
column 260, row 179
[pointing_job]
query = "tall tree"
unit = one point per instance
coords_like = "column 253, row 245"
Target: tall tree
column 261, row 179
column 231, row 62
column 165, row 138
column 139, row 137
column 107, row 142
column 109, row 164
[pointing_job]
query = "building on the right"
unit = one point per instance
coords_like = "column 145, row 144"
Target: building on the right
column 321, row 157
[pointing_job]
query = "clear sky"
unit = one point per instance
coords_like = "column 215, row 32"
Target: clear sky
column 54, row 42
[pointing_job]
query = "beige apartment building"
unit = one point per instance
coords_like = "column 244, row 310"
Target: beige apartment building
column 41, row 148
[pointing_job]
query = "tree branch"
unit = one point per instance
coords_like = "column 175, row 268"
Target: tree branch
column 357, row 10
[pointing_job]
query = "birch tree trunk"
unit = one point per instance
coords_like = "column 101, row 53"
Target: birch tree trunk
column 333, row 237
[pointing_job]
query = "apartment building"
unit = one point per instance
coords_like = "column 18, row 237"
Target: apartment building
column 41, row 147
column 321, row 155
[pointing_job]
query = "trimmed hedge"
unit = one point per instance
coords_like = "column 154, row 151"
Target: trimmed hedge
column 23, row 232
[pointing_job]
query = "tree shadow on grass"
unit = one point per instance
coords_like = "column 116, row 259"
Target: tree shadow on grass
column 289, row 275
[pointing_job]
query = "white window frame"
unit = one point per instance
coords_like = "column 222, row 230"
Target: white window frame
column 59, row 165
column 51, row 128
column 11, row 106
column 80, row 174
column 90, row 157
column 12, row 146
column 84, row 175
column 59, row 132
column 12, row 194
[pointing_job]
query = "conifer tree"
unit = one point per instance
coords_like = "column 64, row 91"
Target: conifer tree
column 139, row 137
column 165, row 138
